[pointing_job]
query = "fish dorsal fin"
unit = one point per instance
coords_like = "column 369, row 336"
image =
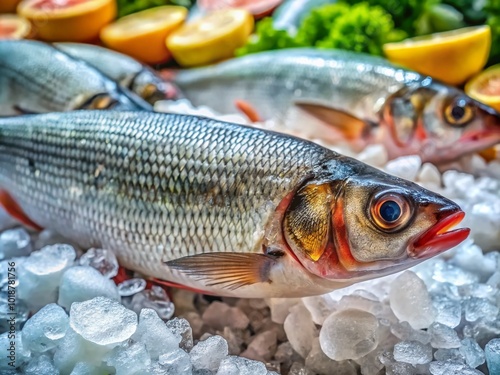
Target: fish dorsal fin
column 14, row 210
column 228, row 270
column 350, row 126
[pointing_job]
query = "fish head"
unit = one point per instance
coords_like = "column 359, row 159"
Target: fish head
column 440, row 121
column 152, row 89
column 368, row 225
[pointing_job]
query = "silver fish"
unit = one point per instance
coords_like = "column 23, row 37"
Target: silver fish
column 129, row 73
column 218, row 207
column 362, row 98
column 38, row 78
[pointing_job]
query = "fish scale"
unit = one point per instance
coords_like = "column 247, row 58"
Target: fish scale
column 151, row 187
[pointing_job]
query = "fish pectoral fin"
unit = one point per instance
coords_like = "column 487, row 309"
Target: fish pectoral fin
column 227, row 270
column 350, row 126
column 248, row 110
column 24, row 111
column 14, row 210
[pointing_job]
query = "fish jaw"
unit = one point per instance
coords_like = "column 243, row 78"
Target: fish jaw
column 439, row 237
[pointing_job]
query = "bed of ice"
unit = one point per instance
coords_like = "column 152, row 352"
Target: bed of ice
column 440, row 318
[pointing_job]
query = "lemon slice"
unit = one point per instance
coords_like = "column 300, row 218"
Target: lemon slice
column 142, row 35
column 14, row 27
column 68, row 20
column 211, row 38
column 452, row 56
column 8, row 6
column 485, row 87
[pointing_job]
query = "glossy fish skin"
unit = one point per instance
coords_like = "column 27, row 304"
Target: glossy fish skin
column 129, row 73
column 408, row 111
column 226, row 209
column 37, row 78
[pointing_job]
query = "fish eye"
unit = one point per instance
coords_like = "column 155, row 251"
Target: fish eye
column 390, row 212
column 459, row 112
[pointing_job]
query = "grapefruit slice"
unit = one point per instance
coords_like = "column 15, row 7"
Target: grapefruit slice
column 8, row 6
column 68, row 20
column 14, row 27
column 259, row 8
column 211, row 38
column 142, row 35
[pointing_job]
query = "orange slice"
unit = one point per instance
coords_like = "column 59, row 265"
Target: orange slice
column 14, row 27
column 68, row 20
column 8, row 6
column 211, row 38
column 142, row 35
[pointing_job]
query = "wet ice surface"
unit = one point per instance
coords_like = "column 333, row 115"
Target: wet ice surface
column 440, row 318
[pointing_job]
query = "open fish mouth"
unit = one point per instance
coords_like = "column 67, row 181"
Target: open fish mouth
column 439, row 237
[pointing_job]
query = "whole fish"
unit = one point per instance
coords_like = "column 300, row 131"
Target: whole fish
column 363, row 98
column 129, row 73
column 218, row 207
column 38, row 78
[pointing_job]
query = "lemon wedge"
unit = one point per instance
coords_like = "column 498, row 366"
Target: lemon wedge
column 452, row 56
column 485, row 87
column 211, row 38
column 68, row 20
column 142, row 35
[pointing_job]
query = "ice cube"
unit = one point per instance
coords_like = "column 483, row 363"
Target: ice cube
column 176, row 362
column 476, row 308
column 321, row 364
column 285, row 355
column 219, row 314
column 195, row 322
column 452, row 368
column 443, row 337
column 233, row 365
column 447, row 272
column 131, row 286
column 15, row 243
column 472, row 352
column 155, row 298
column 453, row 355
column 320, row 307
column 83, row 283
column 70, row 351
column 403, row 331
column 102, row 321
column 492, row 353
column 84, row 368
column 153, row 332
column 299, row 369
column 354, row 301
column 405, row 167
column 180, row 328
column 40, row 273
column 280, row 308
column 41, row 366
column 45, row 329
column 129, row 360
column 449, row 311
column 471, row 258
column 14, row 354
column 429, row 175
column 300, row 329
column 6, row 221
column 413, row 352
column 262, row 347
column 400, row 368
column 102, row 260
column 375, row 155
column 349, row 334
column 410, row 300
column 208, row 354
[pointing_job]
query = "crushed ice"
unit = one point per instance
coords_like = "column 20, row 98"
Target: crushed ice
column 441, row 317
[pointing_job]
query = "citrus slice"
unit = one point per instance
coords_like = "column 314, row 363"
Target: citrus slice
column 8, row 6
column 14, row 27
column 142, row 35
column 68, row 20
column 211, row 38
column 452, row 56
column 485, row 87
column 259, row 8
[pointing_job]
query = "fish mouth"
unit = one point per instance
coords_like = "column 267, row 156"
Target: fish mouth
column 439, row 237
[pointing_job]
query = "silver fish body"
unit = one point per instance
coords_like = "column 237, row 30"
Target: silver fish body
column 129, row 73
column 205, row 203
column 37, row 78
